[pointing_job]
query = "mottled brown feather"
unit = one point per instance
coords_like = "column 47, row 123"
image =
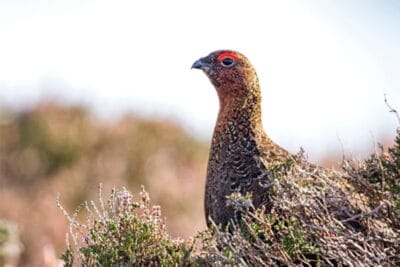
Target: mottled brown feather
column 241, row 154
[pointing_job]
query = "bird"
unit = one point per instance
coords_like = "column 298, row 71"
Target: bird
column 242, row 156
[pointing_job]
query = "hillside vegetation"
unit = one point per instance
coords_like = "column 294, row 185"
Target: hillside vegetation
column 96, row 169
column 53, row 149
column 317, row 217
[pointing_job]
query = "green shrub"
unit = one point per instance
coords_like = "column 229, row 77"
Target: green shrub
column 126, row 232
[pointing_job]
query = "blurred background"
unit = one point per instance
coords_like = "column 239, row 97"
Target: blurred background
column 102, row 91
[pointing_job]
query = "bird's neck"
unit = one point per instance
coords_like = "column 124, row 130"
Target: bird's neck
column 239, row 114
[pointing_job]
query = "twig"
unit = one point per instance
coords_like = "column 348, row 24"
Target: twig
column 391, row 109
column 341, row 146
column 364, row 214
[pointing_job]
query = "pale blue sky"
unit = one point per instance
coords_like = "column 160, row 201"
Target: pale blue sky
column 324, row 66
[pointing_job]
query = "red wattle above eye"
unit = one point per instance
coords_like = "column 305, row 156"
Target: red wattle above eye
column 227, row 54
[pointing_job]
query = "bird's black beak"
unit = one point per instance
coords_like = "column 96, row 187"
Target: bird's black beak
column 198, row 64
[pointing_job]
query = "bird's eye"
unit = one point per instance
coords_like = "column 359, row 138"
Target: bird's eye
column 228, row 59
column 227, row 62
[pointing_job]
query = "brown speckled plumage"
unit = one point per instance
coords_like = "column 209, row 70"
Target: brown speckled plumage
column 241, row 154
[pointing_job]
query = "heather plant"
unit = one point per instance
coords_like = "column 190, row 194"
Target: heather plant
column 54, row 148
column 315, row 217
column 123, row 232
column 318, row 218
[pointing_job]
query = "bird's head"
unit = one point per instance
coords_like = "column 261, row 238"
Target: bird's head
column 230, row 72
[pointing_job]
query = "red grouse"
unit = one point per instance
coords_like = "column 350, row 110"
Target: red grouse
column 242, row 156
